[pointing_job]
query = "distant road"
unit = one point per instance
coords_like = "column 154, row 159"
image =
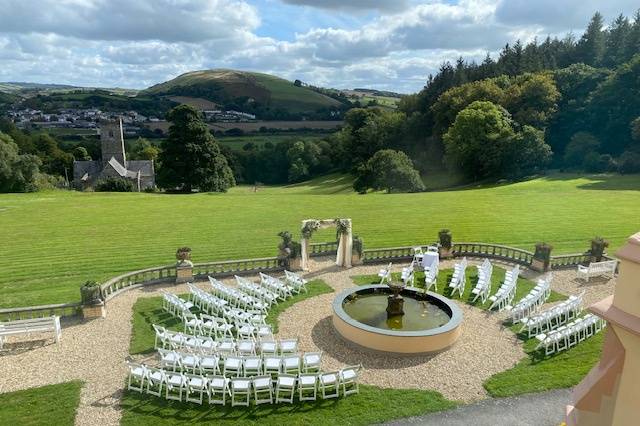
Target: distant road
column 254, row 126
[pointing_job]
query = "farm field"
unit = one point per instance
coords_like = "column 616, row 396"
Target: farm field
column 254, row 126
column 54, row 241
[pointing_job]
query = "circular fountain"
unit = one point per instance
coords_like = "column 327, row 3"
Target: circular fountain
column 393, row 318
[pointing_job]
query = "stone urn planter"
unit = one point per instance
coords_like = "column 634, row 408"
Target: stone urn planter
column 93, row 305
column 541, row 257
column 598, row 248
column 445, row 246
column 184, row 266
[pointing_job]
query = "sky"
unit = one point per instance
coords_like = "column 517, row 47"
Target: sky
column 382, row 44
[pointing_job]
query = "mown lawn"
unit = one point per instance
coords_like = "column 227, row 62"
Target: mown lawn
column 534, row 373
column 54, row 241
column 148, row 311
column 47, row 405
column 372, row 405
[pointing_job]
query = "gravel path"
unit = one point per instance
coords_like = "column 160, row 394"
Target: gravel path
column 94, row 351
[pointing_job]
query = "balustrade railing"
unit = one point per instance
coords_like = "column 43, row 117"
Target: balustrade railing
column 493, row 251
column 29, row 312
column 236, row 267
column 137, row 279
column 323, row 249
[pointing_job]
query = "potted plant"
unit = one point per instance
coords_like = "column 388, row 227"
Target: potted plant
column 542, row 257
column 358, row 250
column 289, row 252
column 90, row 293
column 184, row 266
column 598, row 247
column 183, row 255
column 92, row 300
column 446, row 244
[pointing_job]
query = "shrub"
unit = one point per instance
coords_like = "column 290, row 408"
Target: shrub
column 543, row 253
column 90, row 293
column 580, row 146
column 598, row 246
column 445, row 238
column 358, row 245
column 629, row 162
column 598, row 163
column 390, row 170
column 114, row 184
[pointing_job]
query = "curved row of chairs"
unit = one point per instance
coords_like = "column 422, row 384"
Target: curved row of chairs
column 238, row 364
column 264, row 389
column 554, row 317
column 507, row 291
column 482, row 288
column 530, row 303
column 569, row 335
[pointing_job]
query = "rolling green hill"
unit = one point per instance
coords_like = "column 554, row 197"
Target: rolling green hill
column 244, row 89
column 57, row 240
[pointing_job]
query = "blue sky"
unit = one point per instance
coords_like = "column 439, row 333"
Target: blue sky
column 384, row 44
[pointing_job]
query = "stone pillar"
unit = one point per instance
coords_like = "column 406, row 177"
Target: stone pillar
column 184, row 272
column 97, row 310
column 608, row 395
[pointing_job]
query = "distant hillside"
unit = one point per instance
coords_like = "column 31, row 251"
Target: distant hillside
column 263, row 94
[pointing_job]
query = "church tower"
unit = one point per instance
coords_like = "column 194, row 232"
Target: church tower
column 112, row 139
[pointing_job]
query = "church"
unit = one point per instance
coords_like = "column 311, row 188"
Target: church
column 114, row 162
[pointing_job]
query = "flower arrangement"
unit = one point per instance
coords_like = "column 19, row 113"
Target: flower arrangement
column 183, row 254
column 342, row 227
column 310, row 226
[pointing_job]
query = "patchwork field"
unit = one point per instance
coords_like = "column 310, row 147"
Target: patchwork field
column 54, row 241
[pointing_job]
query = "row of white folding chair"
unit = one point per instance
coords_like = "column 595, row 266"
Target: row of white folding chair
column 218, row 387
column 431, row 277
column 483, row 286
column 533, row 300
column 459, row 279
column 385, row 274
column 174, row 304
column 506, row 293
column 407, row 275
column 259, row 292
column 569, row 335
column 205, row 301
column 296, row 281
column 206, row 325
column 276, row 285
column 266, row 344
column 554, row 317
column 236, row 297
column 239, row 364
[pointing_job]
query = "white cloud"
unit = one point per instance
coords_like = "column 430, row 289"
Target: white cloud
column 136, row 43
column 353, row 5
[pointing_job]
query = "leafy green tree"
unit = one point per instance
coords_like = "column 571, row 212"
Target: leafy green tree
column 80, row 153
column 388, row 170
column 477, row 141
column 54, row 160
column 191, row 158
column 532, row 99
column 581, row 144
column 483, row 143
column 616, row 42
column 144, row 150
column 614, row 105
column 18, row 173
column 635, row 130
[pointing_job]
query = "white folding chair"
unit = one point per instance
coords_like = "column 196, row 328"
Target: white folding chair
column 240, row 391
column 349, row 379
column 262, row 390
column 155, row 380
column 218, row 389
column 137, row 375
column 311, row 362
column 232, row 366
column 175, row 382
column 196, row 388
column 329, row 384
column 307, row 387
column 285, row 388
column 252, row 366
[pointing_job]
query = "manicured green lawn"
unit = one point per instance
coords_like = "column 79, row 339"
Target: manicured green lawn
column 54, row 241
column 148, row 311
column 47, row 405
column 372, row 405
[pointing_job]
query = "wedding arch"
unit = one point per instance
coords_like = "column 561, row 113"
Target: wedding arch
column 345, row 242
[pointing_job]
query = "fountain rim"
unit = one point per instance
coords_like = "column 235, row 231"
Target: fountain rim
column 454, row 321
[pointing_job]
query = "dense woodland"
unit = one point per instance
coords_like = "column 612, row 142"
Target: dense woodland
column 569, row 104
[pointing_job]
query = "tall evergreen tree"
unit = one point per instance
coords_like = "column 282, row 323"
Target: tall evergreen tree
column 616, row 42
column 592, row 43
column 191, row 158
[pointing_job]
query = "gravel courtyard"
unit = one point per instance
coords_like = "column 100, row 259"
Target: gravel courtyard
column 94, row 351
